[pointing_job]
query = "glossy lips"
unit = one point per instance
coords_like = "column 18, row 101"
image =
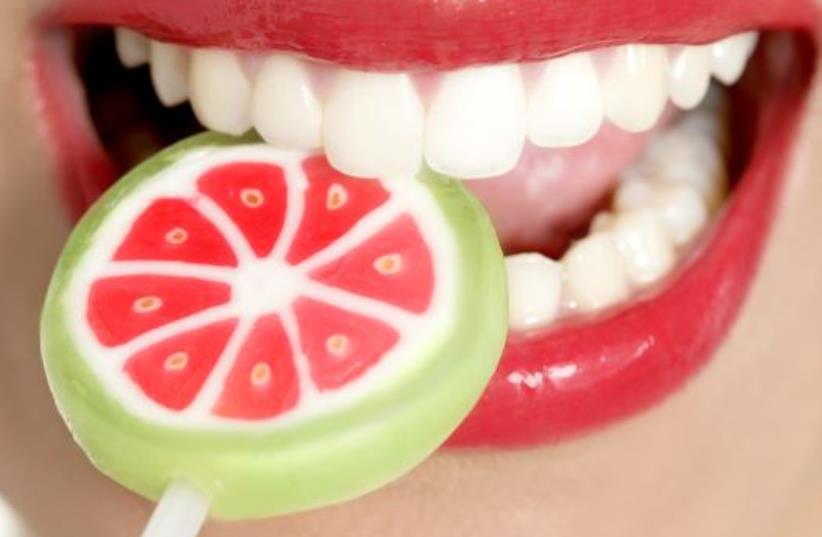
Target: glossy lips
column 558, row 383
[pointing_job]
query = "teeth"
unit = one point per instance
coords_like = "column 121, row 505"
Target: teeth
column 476, row 123
column 534, row 291
column 632, row 194
column 169, row 72
column 132, row 48
column 731, row 54
column 680, row 157
column 680, row 208
column 636, row 87
column 595, row 274
column 373, row 124
column 286, row 110
column 690, row 76
column 603, row 221
column 682, row 212
column 565, row 106
column 220, row 91
column 646, row 250
column 690, row 152
column 469, row 123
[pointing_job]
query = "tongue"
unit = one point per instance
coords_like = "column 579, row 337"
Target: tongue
column 552, row 193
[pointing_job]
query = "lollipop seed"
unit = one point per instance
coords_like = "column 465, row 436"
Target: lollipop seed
column 252, row 198
column 337, row 197
column 147, row 304
column 388, row 264
column 261, row 374
column 337, row 345
column 176, row 236
column 176, row 361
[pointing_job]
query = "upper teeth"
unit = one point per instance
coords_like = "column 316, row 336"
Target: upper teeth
column 468, row 123
column 217, row 83
column 169, row 72
column 373, row 124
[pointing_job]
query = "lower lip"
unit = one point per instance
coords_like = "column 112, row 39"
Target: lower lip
column 560, row 383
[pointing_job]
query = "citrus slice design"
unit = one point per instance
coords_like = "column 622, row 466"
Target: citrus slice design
column 229, row 296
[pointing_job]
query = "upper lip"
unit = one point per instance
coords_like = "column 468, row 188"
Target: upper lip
column 434, row 34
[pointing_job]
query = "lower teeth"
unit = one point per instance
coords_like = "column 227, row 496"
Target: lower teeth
column 660, row 207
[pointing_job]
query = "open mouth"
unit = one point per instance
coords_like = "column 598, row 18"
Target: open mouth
column 632, row 194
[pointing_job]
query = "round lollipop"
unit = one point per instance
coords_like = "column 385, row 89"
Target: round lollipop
column 252, row 333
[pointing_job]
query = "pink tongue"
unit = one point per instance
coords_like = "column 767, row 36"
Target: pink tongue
column 553, row 192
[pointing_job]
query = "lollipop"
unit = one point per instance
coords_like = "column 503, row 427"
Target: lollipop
column 245, row 332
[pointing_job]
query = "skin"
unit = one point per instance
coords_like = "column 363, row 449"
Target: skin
column 738, row 452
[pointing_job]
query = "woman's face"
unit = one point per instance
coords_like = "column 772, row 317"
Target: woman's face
column 733, row 447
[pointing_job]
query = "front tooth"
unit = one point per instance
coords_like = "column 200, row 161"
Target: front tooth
column 169, row 72
column 534, row 291
column 730, row 55
column 646, row 250
column 220, row 91
column 132, row 47
column 682, row 211
column 635, row 88
column 373, row 124
column 595, row 274
column 476, row 122
column 690, row 75
column 285, row 108
column 565, row 107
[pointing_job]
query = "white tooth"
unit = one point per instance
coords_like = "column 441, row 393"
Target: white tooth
column 689, row 152
column 632, row 194
column 220, row 91
column 132, row 47
column 690, row 75
column 373, row 124
column 285, row 108
column 565, row 107
column 731, row 55
column 602, row 221
column 635, row 88
column 476, row 122
column 682, row 211
column 682, row 157
column 595, row 273
column 169, row 72
column 534, row 290
column 646, row 250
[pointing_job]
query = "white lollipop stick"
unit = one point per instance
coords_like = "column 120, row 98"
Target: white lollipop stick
column 181, row 513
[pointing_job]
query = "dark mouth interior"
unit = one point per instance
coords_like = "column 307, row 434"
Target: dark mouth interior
column 133, row 125
column 130, row 121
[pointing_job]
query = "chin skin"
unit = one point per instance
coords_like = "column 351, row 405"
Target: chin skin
column 737, row 452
